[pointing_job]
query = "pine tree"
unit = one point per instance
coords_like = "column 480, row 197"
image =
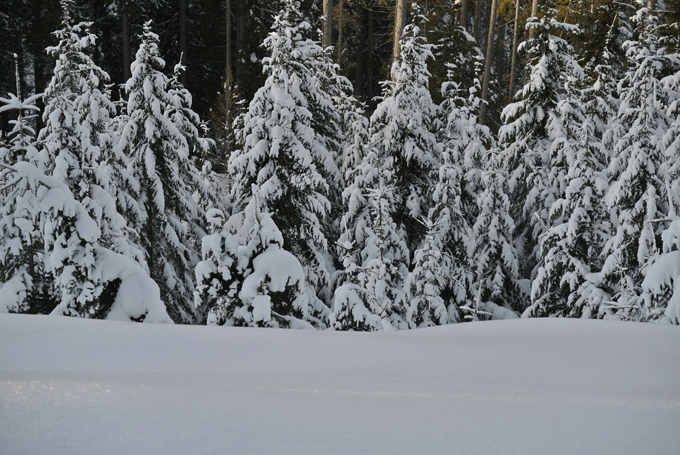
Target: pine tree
column 201, row 183
column 639, row 196
column 524, row 137
column 495, row 257
column 578, row 228
column 92, row 281
column 158, row 156
column 284, row 157
column 429, row 280
column 375, row 257
column 77, row 138
column 246, row 278
column 401, row 127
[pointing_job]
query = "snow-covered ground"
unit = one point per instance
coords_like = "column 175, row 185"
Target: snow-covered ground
column 72, row 386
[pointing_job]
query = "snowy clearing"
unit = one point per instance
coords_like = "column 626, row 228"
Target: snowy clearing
column 538, row 386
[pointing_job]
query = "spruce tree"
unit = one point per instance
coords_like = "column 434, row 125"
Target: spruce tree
column 578, row 218
column 639, row 195
column 284, row 157
column 246, row 278
column 158, row 156
column 496, row 266
column 402, row 128
column 524, row 137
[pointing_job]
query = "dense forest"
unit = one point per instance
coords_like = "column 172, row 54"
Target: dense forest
column 347, row 165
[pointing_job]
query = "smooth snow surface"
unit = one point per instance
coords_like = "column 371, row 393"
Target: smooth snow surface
column 72, row 386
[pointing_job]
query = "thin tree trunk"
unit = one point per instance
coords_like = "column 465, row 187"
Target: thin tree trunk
column 464, row 11
column 228, row 75
column 369, row 65
column 240, row 35
column 487, row 16
column 340, row 26
column 328, row 24
column 126, row 40
column 513, row 64
column 534, row 13
column 478, row 21
column 183, row 38
column 487, row 63
column 500, row 52
column 399, row 19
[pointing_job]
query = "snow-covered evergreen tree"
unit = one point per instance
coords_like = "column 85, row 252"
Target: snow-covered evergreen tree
column 375, row 257
column 246, row 278
column 639, row 196
column 402, row 128
column 77, row 140
column 201, row 183
column 92, row 281
column 22, row 253
column 158, row 155
column 431, row 278
column 495, row 257
column 524, row 137
column 578, row 218
column 285, row 157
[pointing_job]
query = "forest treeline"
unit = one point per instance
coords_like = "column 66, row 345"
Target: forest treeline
column 467, row 170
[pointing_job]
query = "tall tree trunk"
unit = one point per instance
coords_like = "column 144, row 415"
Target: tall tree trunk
column 513, row 64
column 369, row 72
column 534, row 13
column 487, row 63
column 464, row 12
column 228, row 76
column 399, row 19
column 328, row 24
column 500, row 54
column 478, row 22
column 183, row 39
column 240, row 43
column 340, row 26
column 126, row 39
column 487, row 16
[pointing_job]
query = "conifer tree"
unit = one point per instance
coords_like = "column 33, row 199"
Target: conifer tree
column 578, row 218
column 246, row 278
column 401, row 127
column 158, row 156
column 77, row 140
column 284, row 157
column 196, row 172
column 430, row 279
column 639, row 196
column 495, row 258
column 375, row 257
column 524, row 137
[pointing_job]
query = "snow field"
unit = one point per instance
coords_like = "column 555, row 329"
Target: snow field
column 543, row 386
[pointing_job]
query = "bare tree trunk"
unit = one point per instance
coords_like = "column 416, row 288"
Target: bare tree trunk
column 464, row 11
column 369, row 65
column 399, row 19
column 126, row 39
column 240, row 35
column 513, row 64
column 487, row 63
column 328, row 24
column 500, row 52
column 183, row 38
column 478, row 21
column 340, row 26
column 487, row 16
column 228, row 75
column 534, row 13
